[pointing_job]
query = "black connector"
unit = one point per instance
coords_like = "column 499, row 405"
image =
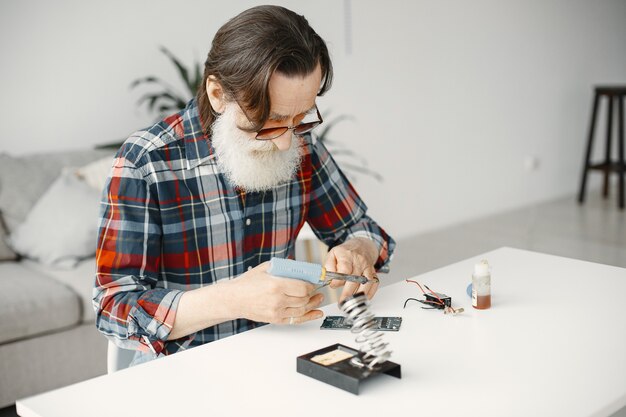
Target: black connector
column 435, row 302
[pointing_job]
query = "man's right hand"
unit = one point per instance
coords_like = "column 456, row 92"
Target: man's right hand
column 255, row 295
column 262, row 297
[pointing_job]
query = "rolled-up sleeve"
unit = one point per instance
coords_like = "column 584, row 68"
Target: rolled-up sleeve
column 337, row 213
column 131, row 310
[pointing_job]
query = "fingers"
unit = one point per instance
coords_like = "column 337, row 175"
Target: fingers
column 301, row 310
column 339, row 263
column 264, row 298
column 372, row 284
column 349, row 289
column 295, row 287
column 336, row 283
column 331, row 265
column 369, row 288
column 339, row 260
column 311, row 315
column 301, row 314
column 289, row 287
column 346, row 266
column 331, row 261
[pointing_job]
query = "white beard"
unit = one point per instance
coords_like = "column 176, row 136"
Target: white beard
column 250, row 164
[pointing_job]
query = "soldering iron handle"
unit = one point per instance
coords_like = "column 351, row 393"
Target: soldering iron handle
column 288, row 268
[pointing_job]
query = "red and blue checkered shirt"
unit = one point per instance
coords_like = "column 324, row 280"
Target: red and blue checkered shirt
column 171, row 222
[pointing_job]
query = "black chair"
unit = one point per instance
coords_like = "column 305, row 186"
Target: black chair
column 615, row 96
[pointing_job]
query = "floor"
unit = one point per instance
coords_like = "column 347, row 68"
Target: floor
column 595, row 231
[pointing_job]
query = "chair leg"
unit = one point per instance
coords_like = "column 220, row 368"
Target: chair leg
column 607, row 155
column 621, row 165
column 587, row 162
column 308, row 250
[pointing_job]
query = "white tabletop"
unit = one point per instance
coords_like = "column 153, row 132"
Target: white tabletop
column 553, row 344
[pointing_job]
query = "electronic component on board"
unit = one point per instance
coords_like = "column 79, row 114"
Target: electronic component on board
column 438, row 300
column 435, row 300
column 391, row 324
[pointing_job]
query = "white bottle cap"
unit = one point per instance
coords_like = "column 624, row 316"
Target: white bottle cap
column 482, row 268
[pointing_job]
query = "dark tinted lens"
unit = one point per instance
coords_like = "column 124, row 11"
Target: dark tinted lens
column 270, row 133
column 305, row 127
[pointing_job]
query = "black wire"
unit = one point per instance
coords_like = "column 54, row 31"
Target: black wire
column 427, row 302
column 438, row 304
column 409, row 299
column 432, row 302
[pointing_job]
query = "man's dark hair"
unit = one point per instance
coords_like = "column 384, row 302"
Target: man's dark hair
column 249, row 48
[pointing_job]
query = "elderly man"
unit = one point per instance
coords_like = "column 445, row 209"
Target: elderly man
column 197, row 204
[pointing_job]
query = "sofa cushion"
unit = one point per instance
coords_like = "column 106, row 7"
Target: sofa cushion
column 62, row 227
column 95, row 173
column 32, row 303
column 80, row 279
column 24, row 179
column 6, row 253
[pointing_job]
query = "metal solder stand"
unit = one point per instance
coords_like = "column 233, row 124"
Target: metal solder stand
column 343, row 374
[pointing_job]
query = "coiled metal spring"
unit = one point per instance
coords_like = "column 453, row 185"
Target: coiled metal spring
column 371, row 342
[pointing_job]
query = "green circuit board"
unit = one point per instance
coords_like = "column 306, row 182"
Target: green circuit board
column 382, row 323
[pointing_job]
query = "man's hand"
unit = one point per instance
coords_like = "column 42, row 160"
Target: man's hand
column 265, row 298
column 356, row 256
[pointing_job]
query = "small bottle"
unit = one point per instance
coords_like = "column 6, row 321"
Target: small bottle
column 481, row 286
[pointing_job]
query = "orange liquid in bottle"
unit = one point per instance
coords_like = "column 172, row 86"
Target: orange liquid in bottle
column 483, row 302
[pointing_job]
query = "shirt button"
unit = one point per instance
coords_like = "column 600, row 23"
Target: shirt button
column 248, row 222
column 249, row 268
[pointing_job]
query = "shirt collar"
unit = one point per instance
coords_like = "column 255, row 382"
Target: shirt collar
column 198, row 147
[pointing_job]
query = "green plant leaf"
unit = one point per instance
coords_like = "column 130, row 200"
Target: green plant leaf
column 350, row 154
column 165, row 108
column 145, row 80
column 182, row 70
column 326, row 127
column 362, row 170
column 154, row 97
column 199, row 69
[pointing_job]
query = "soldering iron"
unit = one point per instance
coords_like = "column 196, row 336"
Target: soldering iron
column 305, row 271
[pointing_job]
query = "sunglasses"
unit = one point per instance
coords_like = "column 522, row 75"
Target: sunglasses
column 274, row 132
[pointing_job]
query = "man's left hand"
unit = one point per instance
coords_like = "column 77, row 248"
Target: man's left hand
column 356, row 256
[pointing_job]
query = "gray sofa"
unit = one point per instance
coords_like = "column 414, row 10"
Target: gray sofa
column 47, row 334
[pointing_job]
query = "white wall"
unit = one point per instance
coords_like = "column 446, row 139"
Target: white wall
column 449, row 97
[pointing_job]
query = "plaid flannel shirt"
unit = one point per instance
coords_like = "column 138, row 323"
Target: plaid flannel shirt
column 171, row 222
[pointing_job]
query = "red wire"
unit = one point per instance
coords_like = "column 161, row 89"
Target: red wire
column 435, row 294
column 418, row 284
column 432, row 292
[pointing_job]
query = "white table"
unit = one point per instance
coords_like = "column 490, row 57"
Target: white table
column 553, row 344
